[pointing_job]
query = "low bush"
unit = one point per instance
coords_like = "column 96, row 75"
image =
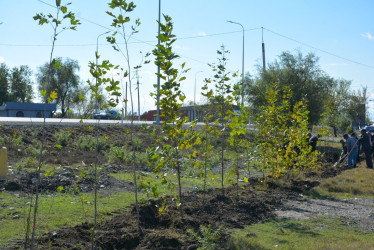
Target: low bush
column 88, row 143
column 62, row 137
column 26, row 163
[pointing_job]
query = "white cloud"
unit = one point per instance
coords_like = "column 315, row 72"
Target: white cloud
column 2, row 59
column 368, row 36
column 201, row 34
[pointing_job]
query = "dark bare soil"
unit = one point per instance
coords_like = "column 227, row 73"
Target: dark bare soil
column 253, row 203
column 161, row 230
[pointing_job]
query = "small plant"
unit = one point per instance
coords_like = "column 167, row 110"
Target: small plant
column 5, row 141
column 32, row 149
column 137, row 143
column 89, row 143
column 26, row 163
column 207, row 237
column 62, row 137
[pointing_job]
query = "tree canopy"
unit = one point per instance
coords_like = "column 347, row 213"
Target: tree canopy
column 4, row 83
column 63, row 79
column 301, row 74
column 15, row 84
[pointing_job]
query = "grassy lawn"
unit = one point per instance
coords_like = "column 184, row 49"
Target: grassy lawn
column 56, row 211
column 320, row 233
column 356, row 182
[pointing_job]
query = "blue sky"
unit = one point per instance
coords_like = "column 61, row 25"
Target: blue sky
column 340, row 33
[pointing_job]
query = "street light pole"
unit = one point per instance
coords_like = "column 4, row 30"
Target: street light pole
column 194, row 97
column 97, row 55
column 158, row 68
column 242, row 89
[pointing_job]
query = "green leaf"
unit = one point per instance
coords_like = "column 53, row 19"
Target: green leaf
column 64, row 9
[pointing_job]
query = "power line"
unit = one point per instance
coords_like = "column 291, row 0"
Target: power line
column 321, row 50
column 136, row 42
column 151, row 43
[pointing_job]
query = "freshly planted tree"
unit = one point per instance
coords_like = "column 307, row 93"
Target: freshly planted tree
column 175, row 138
column 99, row 71
column 56, row 22
column 237, row 140
column 221, row 96
column 120, row 22
column 283, row 128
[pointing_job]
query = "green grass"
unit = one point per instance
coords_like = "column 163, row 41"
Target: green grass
column 357, row 182
column 319, row 233
column 56, row 211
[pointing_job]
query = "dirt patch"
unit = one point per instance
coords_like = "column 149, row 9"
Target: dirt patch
column 70, row 178
column 160, row 229
column 358, row 211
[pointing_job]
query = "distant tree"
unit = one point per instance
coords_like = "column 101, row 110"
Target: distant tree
column 4, row 83
column 85, row 106
column 356, row 105
column 301, row 74
column 63, row 79
column 20, row 84
column 336, row 106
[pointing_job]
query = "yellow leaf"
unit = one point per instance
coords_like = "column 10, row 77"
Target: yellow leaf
column 53, row 95
column 245, row 179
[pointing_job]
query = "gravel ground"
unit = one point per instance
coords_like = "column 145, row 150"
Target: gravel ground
column 359, row 211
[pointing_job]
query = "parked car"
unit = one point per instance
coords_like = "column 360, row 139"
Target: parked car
column 107, row 115
column 369, row 128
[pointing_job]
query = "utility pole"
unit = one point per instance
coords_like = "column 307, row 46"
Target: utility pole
column 97, row 58
column 263, row 51
column 126, row 100
column 137, row 84
column 194, row 99
column 242, row 87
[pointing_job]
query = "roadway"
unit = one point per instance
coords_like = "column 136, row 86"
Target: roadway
column 23, row 121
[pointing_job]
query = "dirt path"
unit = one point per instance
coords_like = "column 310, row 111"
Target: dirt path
column 359, row 211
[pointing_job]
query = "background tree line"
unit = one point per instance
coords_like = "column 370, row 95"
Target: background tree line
column 16, row 85
column 330, row 101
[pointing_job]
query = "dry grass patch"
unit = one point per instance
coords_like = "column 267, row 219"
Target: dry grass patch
column 352, row 182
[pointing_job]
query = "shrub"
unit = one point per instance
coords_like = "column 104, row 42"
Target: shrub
column 33, row 149
column 88, row 143
column 5, row 141
column 29, row 162
column 207, row 237
column 118, row 155
column 62, row 137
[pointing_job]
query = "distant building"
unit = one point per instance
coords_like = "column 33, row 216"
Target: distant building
column 187, row 111
column 23, row 109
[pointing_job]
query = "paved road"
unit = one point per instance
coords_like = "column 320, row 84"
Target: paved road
column 22, row 121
